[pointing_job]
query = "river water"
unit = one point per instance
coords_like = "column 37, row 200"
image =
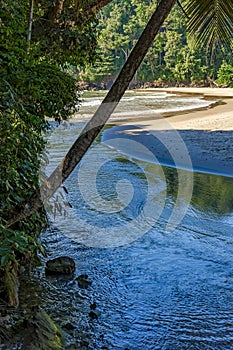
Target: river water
column 154, row 286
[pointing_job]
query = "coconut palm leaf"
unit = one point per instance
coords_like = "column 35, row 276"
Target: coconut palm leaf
column 210, row 21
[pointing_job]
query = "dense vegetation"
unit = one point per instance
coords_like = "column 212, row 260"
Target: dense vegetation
column 34, row 85
column 174, row 58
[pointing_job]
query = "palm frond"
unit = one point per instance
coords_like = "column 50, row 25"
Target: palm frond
column 210, row 21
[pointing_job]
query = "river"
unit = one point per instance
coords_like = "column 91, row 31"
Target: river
column 154, row 287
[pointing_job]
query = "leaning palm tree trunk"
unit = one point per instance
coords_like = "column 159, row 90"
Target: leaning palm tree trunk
column 95, row 125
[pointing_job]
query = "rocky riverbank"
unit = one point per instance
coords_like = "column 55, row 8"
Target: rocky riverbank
column 105, row 85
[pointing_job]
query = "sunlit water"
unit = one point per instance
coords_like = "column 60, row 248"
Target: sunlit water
column 161, row 290
column 136, row 104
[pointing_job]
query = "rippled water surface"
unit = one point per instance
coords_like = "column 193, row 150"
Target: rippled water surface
column 153, row 288
column 136, row 104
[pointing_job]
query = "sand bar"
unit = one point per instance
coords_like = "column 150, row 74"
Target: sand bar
column 219, row 117
column 205, row 137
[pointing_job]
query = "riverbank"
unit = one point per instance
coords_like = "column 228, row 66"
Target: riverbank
column 220, row 117
column 204, row 136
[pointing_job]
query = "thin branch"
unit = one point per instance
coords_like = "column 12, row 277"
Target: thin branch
column 90, row 9
column 30, row 19
column 96, row 5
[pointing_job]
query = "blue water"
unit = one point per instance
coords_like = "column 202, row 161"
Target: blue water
column 154, row 288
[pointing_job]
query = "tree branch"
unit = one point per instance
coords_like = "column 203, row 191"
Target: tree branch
column 90, row 9
column 96, row 5
column 30, row 19
column 55, row 11
column 87, row 9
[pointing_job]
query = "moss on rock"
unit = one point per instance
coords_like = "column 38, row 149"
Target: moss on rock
column 11, row 284
column 42, row 333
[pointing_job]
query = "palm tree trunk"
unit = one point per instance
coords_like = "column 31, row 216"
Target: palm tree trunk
column 95, row 125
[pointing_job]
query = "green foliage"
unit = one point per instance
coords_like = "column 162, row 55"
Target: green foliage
column 174, row 57
column 71, row 38
column 46, row 90
column 210, row 22
column 21, row 143
column 14, row 245
column 120, row 25
column 225, row 74
column 32, row 87
column 13, row 43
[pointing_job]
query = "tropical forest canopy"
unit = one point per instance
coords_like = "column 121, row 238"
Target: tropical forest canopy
column 175, row 57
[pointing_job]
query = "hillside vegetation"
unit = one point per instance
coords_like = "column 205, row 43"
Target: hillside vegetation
column 174, row 57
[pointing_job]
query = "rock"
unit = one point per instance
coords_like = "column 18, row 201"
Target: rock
column 93, row 315
column 84, row 343
column 83, row 281
column 69, row 326
column 63, row 265
column 83, row 276
column 42, row 333
column 93, row 306
column 11, row 284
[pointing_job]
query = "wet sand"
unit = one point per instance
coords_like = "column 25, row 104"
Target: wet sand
column 204, row 137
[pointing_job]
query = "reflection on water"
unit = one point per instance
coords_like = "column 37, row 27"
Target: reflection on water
column 165, row 290
column 211, row 193
column 220, row 189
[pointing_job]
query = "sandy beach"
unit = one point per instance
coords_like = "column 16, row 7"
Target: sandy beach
column 219, row 117
column 205, row 136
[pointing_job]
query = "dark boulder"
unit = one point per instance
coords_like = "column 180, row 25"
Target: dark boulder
column 63, row 265
column 93, row 315
column 83, row 281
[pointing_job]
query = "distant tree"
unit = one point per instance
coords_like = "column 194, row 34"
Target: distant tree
column 121, row 23
column 225, row 74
